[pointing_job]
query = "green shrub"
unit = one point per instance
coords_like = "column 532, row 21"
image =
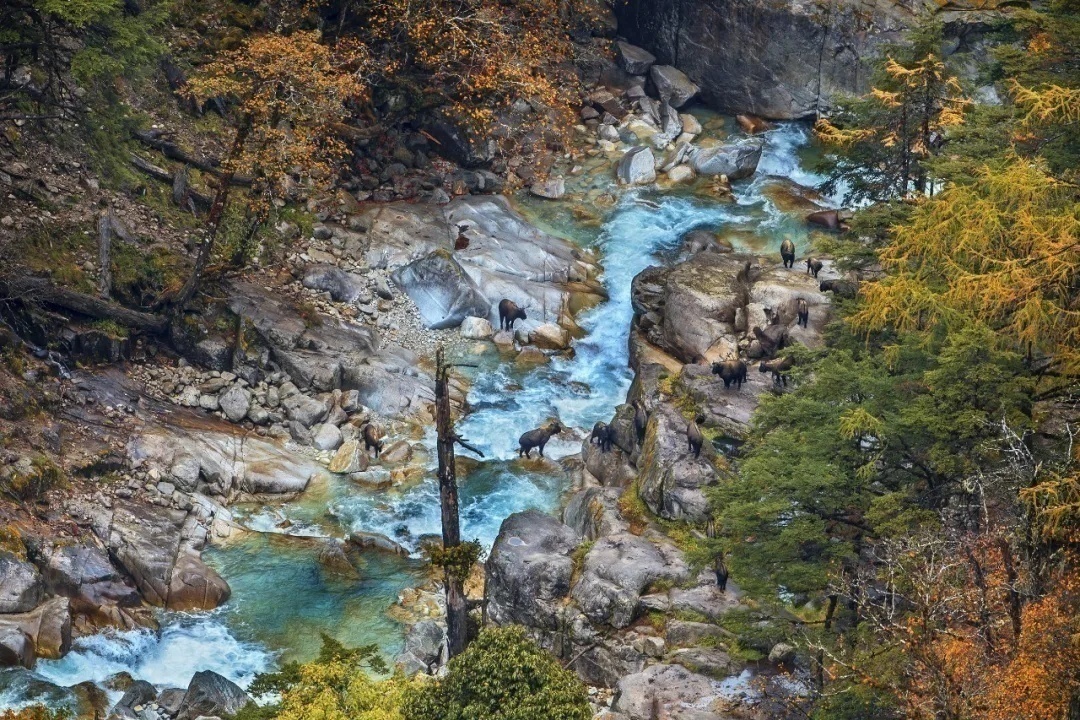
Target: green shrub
column 502, row 675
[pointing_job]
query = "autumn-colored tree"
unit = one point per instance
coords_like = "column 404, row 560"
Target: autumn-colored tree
column 473, row 60
column 287, row 92
column 1003, row 251
column 885, row 138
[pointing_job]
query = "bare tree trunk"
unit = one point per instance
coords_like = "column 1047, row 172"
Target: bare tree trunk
column 105, row 233
column 217, row 212
column 38, row 290
column 456, row 609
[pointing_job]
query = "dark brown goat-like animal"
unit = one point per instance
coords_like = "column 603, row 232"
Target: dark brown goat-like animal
column 602, row 434
column 779, row 368
column 720, row 567
column 641, row 420
column 813, row 266
column 509, row 313
column 842, row 288
column 694, row 438
column 731, row 371
column 372, row 438
column 802, row 309
column 787, row 253
column 537, row 439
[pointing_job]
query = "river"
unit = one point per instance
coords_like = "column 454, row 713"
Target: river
column 283, row 598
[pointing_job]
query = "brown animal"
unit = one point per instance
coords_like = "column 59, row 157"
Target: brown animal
column 604, row 435
column 538, row 439
column 802, row 309
column 509, row 313
column 641, row 420
column 842, row 288
column 720, row 567
column 828, row 219
column 694, row 438
column 787, row 252
column 462, row 242
column 731, row 371
column 779, row 368
column 813, row 266
column 372, row 438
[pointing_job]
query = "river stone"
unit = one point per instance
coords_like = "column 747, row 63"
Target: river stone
column 258, row 415
column 529, row 570
column 326, row 437
column 632, row 59
column 550, row 189
column 138, row 694
column 85, row 574
column 349, row 458
column 735, row 160
column 396, row 452
column 210, row 403
column 20, row 584
column 196, row 586
column 476, row 328
column 680, row 173
column 441, row 289
column 343, row 287
column 16, row 648
column 672, row 85
column 550, row 336
column 690, row 124
column 210, row 694
column 304, row 409
column 235, row 403
column 637, row 167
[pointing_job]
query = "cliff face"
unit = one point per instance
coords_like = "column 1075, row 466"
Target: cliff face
column 779, row 59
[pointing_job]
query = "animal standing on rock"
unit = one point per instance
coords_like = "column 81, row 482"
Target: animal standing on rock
column 538, row 439
column 813, row 266
column 720, row 567
column 694, row 438
column 779, row 368
column 731, row 371
column 372, row 438
column 602, row 434
column 462, row 242
column 802, row 309
column 509, row 313
column 787, row 252
column 842, row 288
column 641, row 420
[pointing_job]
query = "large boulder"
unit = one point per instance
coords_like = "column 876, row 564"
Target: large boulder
column 48, row 627
column 679, row 693
column 594, row 512
column 672, row 481
column 84, row 574
column 529, row 570
column 211, row 695
column 196, row 586
column 343, row 287
column 637, row 167
column 16, row 648
column 633, row 59
column 305, row 410
column 20, row 584
column 618, row 568
column 672, row 85
column 235, row 403
column 735, row 160
column 773, row 59
column 442, row 290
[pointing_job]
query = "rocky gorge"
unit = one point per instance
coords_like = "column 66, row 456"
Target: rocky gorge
column 650, row 254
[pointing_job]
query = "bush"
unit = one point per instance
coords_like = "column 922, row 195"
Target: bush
column 502, row 675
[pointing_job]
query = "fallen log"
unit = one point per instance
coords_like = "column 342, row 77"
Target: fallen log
column 185, row 193
column 155, row 139
column 41, row 291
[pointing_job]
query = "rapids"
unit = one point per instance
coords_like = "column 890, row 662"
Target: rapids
column 282, row 599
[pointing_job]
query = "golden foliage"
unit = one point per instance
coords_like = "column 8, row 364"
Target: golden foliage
column 288, row 92
column 1051, row 104
column 339, row 691
column 1003, row 251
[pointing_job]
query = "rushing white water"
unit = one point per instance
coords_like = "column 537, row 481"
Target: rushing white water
column 281, row 595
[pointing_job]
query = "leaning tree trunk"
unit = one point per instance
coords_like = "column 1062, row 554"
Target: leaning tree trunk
column 217, row 212
column 456, row 607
